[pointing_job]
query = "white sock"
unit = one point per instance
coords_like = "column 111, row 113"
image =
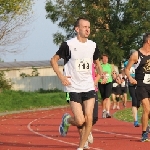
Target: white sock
column 80, row 149
column 107, row 112
column 104, row 110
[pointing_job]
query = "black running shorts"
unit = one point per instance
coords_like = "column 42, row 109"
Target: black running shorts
column 116, row 90
column 142, row 92
column 135, row 102
column 83, row 96
column 105, row 90
column 123, row 90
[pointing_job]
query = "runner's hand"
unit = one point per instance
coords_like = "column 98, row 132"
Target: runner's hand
column 104, row 81
column 132, row 80
column 65, row 81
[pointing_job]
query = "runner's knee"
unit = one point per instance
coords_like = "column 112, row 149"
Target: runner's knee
column 80, row 122
column 88, row 118
column 146, row 108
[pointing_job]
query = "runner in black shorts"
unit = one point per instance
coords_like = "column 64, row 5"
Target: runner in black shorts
column 131, row 87
column 83, row 96
column 78, row 54
column 142, row 79
column 105, row 88
column 116, row 90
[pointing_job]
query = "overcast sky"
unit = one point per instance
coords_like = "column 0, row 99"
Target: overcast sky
column 39, row 41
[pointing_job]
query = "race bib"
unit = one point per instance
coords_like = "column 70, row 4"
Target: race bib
column 115, row 84
column 132, row 70
column 146, row 79
column 83, row 64
column 107, row 76
column 123, row 84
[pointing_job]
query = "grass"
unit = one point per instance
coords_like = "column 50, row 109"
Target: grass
column 18, row 100
column 126, row 115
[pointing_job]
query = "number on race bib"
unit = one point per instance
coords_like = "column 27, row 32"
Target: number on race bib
column 146, row 79
column 115, row 84
column 83, row 64
column 123, row 84
column 107, row 76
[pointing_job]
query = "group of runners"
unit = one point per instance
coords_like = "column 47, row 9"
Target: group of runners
column 83, row 73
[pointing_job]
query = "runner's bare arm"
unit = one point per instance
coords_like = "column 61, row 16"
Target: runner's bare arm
column 123, row 73
column 54, row 63
column 133, row 59
column 98, row 66
column 97, row 78
column 118, row 79
column 113, row 69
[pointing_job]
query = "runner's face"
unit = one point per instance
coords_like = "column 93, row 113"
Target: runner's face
column 83, row 29
column 114, row 74
column 105, row 59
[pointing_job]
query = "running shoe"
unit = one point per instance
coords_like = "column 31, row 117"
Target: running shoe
column 145, row 137
column 118, row 107
column 104, row 114
column 64, row 126
column 114, row 107
column 148, row 129
column 108, row 115
column 90, row 138
column 136, row 124
column 86, row 145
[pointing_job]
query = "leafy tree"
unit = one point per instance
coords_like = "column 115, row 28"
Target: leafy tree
column 116, row 25
column 14, row 15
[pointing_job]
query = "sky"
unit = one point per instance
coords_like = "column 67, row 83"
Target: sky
column 39, row 42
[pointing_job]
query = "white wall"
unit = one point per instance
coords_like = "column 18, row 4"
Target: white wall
column 36, row 83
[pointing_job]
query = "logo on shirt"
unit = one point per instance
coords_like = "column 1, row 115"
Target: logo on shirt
column 75, row 49
column 147, row 66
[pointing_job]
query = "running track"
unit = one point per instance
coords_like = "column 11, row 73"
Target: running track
column 38, row 130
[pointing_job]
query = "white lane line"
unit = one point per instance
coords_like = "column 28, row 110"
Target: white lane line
column 129, row 136
column 61, row 141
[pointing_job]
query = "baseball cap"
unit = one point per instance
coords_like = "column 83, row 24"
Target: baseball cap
column 132, row 51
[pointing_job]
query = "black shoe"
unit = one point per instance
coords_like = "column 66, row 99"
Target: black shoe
column 108, row 115
column 145, row 137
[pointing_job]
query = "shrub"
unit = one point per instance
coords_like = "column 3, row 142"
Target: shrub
column 4, row 83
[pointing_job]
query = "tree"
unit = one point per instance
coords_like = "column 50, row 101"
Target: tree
column 116, row 25
column 14, row 15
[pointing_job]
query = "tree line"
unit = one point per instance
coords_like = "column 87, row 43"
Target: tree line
column 117, row 26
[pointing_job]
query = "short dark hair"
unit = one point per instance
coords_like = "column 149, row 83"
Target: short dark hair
column 104, row 55
column 76, row 24
column 146, row 36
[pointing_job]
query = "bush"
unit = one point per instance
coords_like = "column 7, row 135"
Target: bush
column 49, row 91
column 5, row 84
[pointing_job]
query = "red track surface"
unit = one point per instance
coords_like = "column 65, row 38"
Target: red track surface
column 39, row 131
